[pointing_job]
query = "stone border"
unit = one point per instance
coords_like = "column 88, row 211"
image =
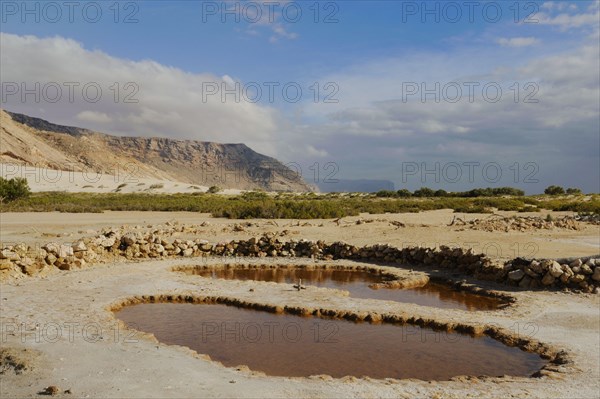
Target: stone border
column 559, row 361
column 581, row 275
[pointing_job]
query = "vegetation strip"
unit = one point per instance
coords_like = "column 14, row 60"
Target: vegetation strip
column 291, row 206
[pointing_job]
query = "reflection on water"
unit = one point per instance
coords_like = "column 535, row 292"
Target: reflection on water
column 286, row 345
column 357, row 283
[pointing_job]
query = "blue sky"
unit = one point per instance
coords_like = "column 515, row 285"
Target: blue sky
column 370, row 52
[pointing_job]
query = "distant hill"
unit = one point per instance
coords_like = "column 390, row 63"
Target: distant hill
column 359, row 185
column 32, row 141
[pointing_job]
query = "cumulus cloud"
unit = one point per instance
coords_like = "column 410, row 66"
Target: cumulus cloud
column 142, row 98
column 94, row 117
column 312, row 151
column 568, row 16
column 548, row 114
column 269, row 17
column 280, row 32
column 517, row 41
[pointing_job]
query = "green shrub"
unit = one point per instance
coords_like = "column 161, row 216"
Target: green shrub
column 385, row 194
column 424, row 192
column 554, row 190
column 214, row 189
column 13, row 189
column 254, row 195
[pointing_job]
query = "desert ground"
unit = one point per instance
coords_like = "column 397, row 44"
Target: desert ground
column 120, row 363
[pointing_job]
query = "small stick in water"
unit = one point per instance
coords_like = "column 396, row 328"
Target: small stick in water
column 299, row 286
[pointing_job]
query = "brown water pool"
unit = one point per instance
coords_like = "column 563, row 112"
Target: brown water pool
column 288, row 345
column 357, row 283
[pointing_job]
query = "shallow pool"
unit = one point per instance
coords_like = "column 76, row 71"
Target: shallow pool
column 288, row 345
column 357, row 283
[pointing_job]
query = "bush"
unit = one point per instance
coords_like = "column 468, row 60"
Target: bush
column 492, row 192
column 385, row 194
column 13, row 189
column 573, row 191
column 403, row 193
column 214, row 189
column 254, row 196
column 424, row 192
column 554, row 190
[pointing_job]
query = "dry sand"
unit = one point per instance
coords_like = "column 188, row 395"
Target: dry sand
column 118, row 367
column 425, row 229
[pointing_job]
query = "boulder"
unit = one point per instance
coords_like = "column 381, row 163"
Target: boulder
column 10, row 255
column 5, row 264
column 30, row 267
column 79, row 246
column 21, row 249
column 545, row 264
column 528, row 271
column 52, row 247
column 525, row 283
column 593, row 262
column 567, row 274
column 596, row 275
column 516, row 275
column 64, row 251
column 577, row 278
column 536, row 267
column 555, row 269
column 51, row 259
column 586, row 269
column 129, row 239
column 548, row 279
column 576, row 263
column 107, row 242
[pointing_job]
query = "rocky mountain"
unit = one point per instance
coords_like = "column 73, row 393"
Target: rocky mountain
column 36, row 142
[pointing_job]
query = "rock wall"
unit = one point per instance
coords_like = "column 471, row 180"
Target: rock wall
column 582, row 275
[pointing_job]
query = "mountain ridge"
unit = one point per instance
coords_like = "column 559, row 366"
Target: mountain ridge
column 34, row 141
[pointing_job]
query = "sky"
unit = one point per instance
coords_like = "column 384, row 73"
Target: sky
column 451, row 95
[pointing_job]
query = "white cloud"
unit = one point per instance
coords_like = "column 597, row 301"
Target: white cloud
column 559, row 133
column 517, row 41
column 569, row 19
column 312, row 151
column 94, row 117
column 268, row 15
column 558, row 5
column 169, row 103
column 279, row 31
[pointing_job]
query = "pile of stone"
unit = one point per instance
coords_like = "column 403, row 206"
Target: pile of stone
column 119, row 245
column 591, row 218
column 582, row 274
column 518, row 223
